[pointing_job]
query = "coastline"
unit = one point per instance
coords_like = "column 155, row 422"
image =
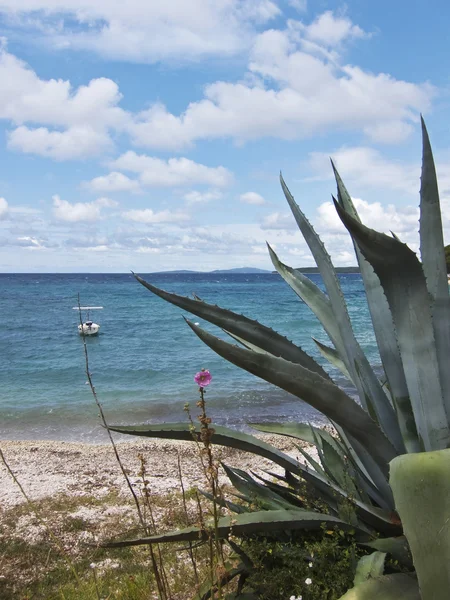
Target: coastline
column 76, row 469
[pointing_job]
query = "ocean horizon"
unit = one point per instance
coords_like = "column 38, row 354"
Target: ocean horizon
column 144, row 360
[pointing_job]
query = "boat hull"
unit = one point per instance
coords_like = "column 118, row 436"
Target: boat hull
column 88, row 329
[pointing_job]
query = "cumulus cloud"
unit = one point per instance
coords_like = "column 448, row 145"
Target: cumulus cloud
column 404, row 219
column 196, row 197
column 4, row 208
column 297, row 88
column 74, row 143
column 252, row 198
column 113, row 182
column 143, row 32
column 156, row 172
column 80, row 211
column 331, row 30
column 281, row 221
column 147, row 216
column 363, row 166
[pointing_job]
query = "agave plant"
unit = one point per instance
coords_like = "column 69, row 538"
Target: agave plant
column 401, row 417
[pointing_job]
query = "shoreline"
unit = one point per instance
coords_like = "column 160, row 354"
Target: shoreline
column 48, row 468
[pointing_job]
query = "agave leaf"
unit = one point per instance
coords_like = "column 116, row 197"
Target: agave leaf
column 223, row 436
column 309, row 459
column 398, row 586
column 209, row 587
column 383, row 496
column 333, row 356
column 421, row 486
column 245, row 558
column 312, row 295
column 371, row 391
column 237, row 508
column 403, row 281
column 384, row 332
column 434, row 264
column 376, row 475
column 337, row 469
column 283, row 491
column 369, row 566
column 249, row 330
column 320, row 393
column 397, row 547
column 265, row 521
column 255, row 492
column 300, row 431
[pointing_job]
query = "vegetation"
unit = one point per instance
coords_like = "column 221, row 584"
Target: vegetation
column 405, row 412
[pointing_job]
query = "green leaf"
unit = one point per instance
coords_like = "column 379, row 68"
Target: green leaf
column 265, row 521
column 376, row 518
column 300, row 431
column 309, row 459
column 249, row 330
column 384, row 332
column 356, row 361
column 397, row 547
column 388, row 587
column 333, row 356
column 255, row 492
column 369, row 567
column 434, row 264
column 237, row 508
column 336, row 468
column 320, row 393
column 312, row 295
column 403, row 281
column 209, row 587
column 421, row 486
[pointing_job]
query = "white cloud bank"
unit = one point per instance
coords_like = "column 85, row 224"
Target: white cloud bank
column 296, row 85
column 80, row 211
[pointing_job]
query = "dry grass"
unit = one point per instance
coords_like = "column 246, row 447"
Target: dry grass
column 33, row 567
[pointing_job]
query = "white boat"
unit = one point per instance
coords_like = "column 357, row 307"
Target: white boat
column 88, row 327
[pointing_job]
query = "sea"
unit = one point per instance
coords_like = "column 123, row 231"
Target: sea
column 144, row 360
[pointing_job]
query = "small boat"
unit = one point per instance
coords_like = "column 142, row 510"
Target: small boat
column 88, row 327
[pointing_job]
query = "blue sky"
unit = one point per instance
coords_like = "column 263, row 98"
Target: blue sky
column 149, row 136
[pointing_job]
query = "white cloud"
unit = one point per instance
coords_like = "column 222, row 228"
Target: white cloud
column 281, row 221
column 30, row 243
column 299, row 5
column 74, row 143
column 362, row 166
column 143, row 32
column 113, row 182
column 401, row 220
column 297, row 88
column 252, row 198
column 147, row 215
column 74, row 122
column 172, row 172
column 80, row 211
column 196, row 197
column 331, row 30
column 4, row 208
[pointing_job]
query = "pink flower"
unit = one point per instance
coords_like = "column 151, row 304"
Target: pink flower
column 203, row 378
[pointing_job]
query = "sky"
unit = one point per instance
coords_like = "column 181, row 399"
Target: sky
column 149, row 136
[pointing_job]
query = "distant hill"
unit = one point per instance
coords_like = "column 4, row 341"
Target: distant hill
column 315, row 270
column 337, row 269
column 246, row 270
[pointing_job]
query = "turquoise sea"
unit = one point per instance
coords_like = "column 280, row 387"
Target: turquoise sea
column 145, row 357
